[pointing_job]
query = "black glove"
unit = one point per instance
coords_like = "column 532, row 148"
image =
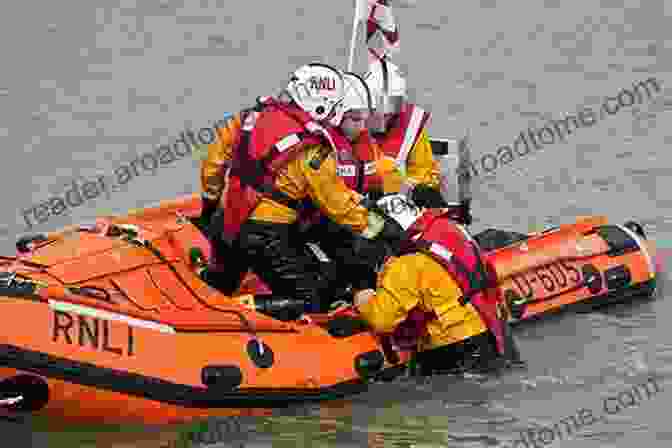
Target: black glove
column 392, row 231
column 368, row 255
column 368, row 252
column 375, row 194
column 427, row 197
column 370, row 204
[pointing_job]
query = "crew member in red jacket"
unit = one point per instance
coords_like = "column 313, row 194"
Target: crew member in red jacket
column 439, row 293
column 407, row 165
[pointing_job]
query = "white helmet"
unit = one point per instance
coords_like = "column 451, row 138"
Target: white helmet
column 357, row 94
column 387, row 85
column 317, row 89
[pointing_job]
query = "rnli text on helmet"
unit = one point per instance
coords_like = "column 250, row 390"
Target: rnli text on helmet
column 322, row 83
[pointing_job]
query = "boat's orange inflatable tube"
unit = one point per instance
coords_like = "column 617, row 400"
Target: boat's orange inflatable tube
column 562, row 245
column 589, row 262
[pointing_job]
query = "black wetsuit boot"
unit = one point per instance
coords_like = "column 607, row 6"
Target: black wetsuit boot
column 289, row 271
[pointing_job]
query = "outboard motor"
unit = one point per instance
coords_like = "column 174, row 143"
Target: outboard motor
column 454, row 157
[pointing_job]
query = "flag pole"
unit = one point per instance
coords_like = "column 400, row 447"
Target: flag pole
column 353, row 39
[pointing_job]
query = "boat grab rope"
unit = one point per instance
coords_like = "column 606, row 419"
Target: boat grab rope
column 13, row 280
column 132, row 238
column 130, row 234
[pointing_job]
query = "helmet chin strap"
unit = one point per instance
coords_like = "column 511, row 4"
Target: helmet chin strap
column 386, row 76
column 386, row 85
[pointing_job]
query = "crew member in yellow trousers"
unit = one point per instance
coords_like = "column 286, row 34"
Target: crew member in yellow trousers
column 439, row 293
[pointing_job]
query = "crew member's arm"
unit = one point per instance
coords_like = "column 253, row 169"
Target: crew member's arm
column 219, row 154
column 423, row 175
column 330, row 193
column 420, row 167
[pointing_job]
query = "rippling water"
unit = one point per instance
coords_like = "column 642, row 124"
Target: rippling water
column 86, row 86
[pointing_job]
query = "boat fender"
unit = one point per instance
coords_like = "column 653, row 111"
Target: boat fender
column 260, row 354
column 23, row 243
column 225, row 377
column 24, row 393
column 369, row 363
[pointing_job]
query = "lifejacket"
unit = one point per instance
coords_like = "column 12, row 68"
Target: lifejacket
column 400, row 139
column 272, row 135
column 450, row 245
column 357, row 166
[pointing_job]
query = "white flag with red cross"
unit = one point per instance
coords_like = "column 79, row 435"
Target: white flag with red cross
column 382, row 31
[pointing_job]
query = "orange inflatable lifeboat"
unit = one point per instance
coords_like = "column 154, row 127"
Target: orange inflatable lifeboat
column 102, row 326
column 110, row 322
